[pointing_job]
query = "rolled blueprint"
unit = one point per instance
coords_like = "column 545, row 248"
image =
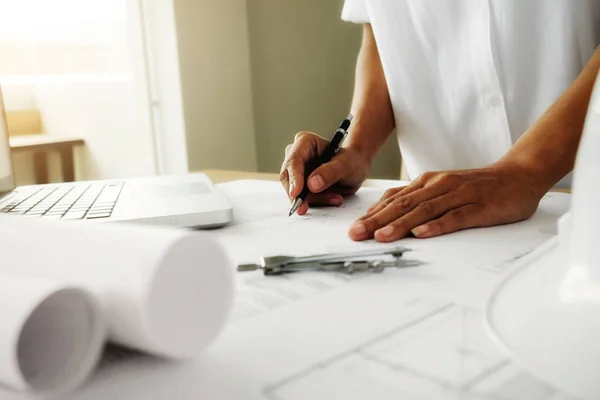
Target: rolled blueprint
column 51, row 335
column 163, row 290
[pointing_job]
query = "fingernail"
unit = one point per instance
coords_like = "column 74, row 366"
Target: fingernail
column 386, row 232
column 358, row 229
column 421, row 231
column 316, row 183
column 292, row 187
column 335, row 201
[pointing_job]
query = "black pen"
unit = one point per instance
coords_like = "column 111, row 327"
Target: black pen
column 332, row 148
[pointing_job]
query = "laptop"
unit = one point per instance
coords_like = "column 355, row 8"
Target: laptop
column 178, row 200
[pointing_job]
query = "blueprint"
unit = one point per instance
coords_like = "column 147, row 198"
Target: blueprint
column 442, row 353
column 415, row 333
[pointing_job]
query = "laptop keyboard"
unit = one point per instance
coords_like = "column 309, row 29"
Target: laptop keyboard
column 68, row 201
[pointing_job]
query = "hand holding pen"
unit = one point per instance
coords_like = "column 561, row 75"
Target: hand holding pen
column 320, row 172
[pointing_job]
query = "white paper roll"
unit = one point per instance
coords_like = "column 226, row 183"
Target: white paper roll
column 165, row 291
column 51, row 335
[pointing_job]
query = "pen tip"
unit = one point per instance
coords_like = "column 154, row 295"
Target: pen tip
column 295, row 206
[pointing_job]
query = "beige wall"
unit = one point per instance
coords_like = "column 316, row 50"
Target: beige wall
column 216, row 87
column 303, row 59
column 255, row 72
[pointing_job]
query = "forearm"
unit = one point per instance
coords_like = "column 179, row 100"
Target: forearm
column 371, row 106
column 548, row 149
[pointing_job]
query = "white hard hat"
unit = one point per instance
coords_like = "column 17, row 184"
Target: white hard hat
column 546, row 314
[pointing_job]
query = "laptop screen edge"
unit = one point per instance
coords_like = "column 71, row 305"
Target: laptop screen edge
column 7, row 177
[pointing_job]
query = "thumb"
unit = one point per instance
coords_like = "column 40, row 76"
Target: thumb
column 328, row 174
column 298, row 160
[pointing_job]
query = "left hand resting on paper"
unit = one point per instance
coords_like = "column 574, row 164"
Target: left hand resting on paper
column 443, row 202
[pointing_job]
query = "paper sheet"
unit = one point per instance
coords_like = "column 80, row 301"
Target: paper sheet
column 477, row 256
column 51, row 335
column 403, row 334
column 261, row 210
column 377, row 340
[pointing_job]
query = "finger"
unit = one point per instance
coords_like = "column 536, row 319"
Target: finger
column 305, row 148
column 325, row 199
column 387, row 194
column 398, row 206
column 329, row 173
column 303, row 208
column 321, row 199
column 295, row 170
column 284, row 178
column 424, row 212
column 392, row 209
column 465, row 217
column 394, row 193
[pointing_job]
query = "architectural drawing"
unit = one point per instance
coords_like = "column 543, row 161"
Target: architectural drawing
column 444, row 354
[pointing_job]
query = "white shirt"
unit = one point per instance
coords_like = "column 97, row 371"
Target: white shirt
column 468, row 77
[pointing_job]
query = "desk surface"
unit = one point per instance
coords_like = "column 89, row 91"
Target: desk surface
column 42, row 142
column 415, row 333
column 220, row 176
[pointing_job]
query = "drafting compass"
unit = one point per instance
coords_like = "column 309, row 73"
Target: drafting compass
column 344, row 262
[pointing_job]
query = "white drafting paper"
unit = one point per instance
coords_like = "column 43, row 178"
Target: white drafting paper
column 263, row 228
column 51, row 335
column 261, row 210
column 164, row 291
column 403, row 334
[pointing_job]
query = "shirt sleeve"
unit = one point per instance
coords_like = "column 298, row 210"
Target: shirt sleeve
column 355, row 11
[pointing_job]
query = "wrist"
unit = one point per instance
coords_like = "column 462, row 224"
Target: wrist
column 368, row 133
column 531, row 177
column 359, row 141
column 364, row 152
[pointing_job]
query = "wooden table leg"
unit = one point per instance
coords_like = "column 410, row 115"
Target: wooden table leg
column 40, row 167
column 67, row 164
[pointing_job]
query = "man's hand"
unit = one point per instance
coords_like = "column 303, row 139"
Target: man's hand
column 372, row 124
column 342, row 176
column 443, row 202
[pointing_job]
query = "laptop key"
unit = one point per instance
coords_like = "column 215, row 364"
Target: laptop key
column 94, row 212
column 101, row 209
column 36, row 210
column 104, row 203
column 74, row 215
column 34, row 213
column 59, row 212
column 97, row 216
column 79, row 209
